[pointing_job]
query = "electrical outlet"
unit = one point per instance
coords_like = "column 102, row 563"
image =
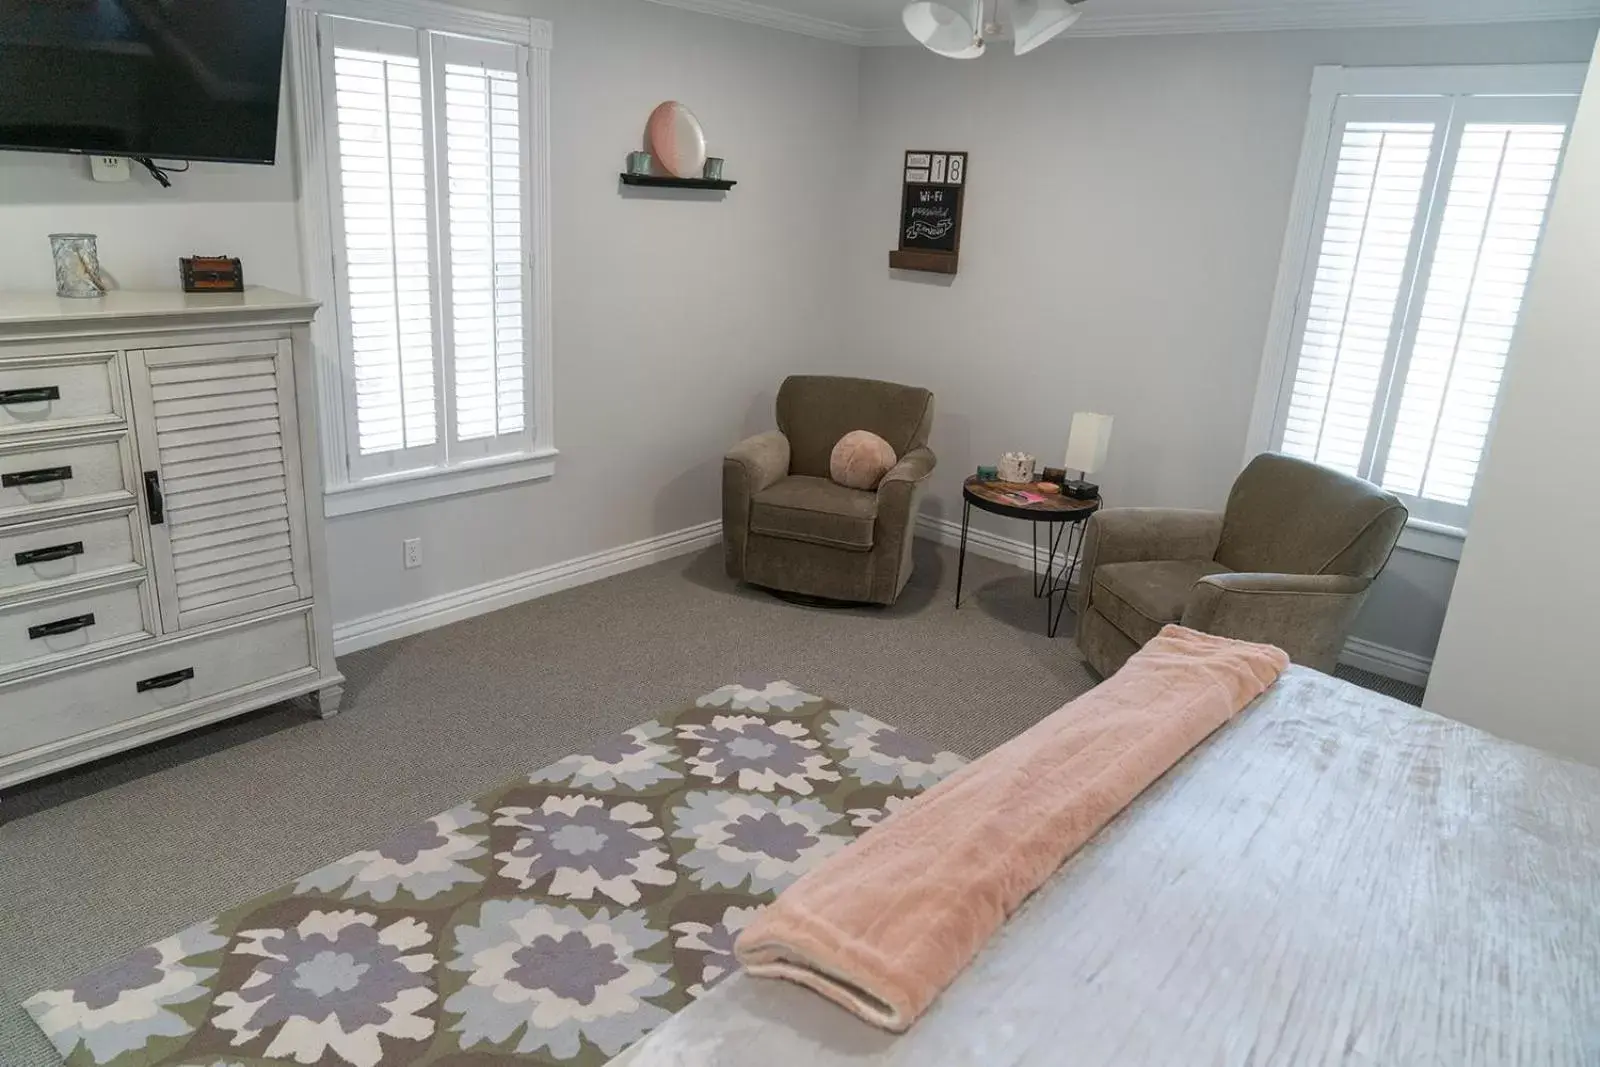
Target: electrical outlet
column 109, row 168
column 413, row 547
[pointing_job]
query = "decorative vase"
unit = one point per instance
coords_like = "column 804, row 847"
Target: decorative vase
column 1016, row 467
column 639, row 163
column 77, row 265
column 678, row 140
column 713, row 171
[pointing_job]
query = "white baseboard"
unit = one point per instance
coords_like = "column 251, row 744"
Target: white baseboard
column 391, row 625
column 980, row 542
column 1358, row 652
column 356, row 634
column 1394, row 663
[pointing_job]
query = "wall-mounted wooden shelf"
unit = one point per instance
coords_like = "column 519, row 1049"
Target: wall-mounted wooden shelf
column 922, row 259
column 666, row 182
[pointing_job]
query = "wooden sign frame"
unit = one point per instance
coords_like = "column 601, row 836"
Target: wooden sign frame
column 932, row 202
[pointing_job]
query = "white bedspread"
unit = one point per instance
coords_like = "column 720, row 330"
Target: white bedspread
column 1335, row 878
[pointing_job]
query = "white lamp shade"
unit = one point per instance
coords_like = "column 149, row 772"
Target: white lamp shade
column 1033, row 22
column 1088, row 442
column 942, row 29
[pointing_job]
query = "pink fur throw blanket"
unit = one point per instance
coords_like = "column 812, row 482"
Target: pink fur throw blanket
column 885, row 925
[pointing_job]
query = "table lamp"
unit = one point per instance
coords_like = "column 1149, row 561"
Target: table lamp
column 1086, row 452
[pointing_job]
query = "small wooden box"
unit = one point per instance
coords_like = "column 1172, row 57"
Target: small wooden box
column 211, row 274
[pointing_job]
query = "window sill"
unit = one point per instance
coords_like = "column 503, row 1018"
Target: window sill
column 1433, row 539
column 412, row 487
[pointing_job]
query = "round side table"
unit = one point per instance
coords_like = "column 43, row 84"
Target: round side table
column 1066, row 517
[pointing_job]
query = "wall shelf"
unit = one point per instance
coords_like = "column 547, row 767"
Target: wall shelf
column 666, row 182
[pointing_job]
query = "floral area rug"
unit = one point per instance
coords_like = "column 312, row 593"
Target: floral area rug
column 555, row 920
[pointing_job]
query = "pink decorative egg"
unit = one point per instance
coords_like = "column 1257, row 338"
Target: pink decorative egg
column 677, row 139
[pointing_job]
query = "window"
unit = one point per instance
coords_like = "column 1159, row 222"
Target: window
column 1422, row 205
column 423, row 160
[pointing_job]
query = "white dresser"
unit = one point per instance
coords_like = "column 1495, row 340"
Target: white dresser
column 161, row 545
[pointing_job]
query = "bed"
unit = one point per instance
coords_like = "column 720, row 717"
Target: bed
column 1334, row 878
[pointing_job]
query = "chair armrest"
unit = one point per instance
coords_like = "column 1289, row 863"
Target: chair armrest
column 753, row 464
column 913, row 467
column 1306, row 615
column 1134, row 535
column 761, row 460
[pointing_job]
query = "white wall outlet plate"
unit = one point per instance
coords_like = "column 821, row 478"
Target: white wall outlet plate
column 413, row 551
column 109, row 168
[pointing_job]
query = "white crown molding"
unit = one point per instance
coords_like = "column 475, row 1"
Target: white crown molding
column 1283, row 15
column 774, row 18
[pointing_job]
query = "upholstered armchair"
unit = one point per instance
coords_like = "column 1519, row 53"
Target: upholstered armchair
column 1289, row 562
column 788, row 527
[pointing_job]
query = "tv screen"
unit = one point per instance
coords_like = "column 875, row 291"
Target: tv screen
column 169, row 79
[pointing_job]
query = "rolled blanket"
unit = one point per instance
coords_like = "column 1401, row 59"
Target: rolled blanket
column 885, row 925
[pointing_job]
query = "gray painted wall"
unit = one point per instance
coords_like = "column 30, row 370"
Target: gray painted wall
column 1515, row 656
column 1128, row 205
column 1123, row 228
column 674, row 318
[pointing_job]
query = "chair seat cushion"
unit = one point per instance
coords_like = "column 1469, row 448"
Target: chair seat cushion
column 803, row 508
column 1140, row 598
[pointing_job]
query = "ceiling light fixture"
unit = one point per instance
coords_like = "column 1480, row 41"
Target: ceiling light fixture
column 941, row 28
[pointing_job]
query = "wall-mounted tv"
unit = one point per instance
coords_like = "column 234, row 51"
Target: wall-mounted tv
column 169, row 79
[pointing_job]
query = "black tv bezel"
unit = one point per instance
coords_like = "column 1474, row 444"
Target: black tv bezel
column 153, row 154
column 122, row 153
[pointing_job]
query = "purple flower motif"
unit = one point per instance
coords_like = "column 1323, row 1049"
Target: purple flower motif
column 121, row 1008
column 635, row 759
column 757, row 754
column 335, row 982
column 587, row 846
column 559, row 976
column 866, row 818
column 423, row 862
column 776, row 696
column 737, row 837
column 714, row 944
column 881, row 755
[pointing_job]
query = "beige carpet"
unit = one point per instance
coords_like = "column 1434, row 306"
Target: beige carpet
column 98, row 862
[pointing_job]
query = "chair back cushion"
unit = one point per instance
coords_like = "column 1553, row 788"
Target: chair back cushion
column 1289, row 516
column 815, row 410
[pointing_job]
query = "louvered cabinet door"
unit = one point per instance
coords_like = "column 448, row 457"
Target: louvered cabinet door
column 221, row 468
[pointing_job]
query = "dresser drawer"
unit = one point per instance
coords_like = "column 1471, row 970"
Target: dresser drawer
column 37, row 555
column 47, row 476
column 58, row 392
column 35, row 632
column 140, row 690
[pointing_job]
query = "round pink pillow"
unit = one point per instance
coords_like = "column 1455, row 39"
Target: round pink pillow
column 860, row 460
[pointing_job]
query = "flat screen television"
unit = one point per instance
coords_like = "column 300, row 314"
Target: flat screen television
column 168, row 79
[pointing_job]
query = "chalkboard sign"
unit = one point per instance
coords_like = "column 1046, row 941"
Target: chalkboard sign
column 928, row 217
column 930, row 211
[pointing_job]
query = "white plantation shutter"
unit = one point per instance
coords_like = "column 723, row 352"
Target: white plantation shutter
column 1368, row 244
column 429, row 158
column 482, row 124
column 1493, row 217
column 1429, row 219
column 387, row 269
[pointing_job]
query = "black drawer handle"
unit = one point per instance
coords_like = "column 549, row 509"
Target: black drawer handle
column 47, row 555
column 38, row 477
column 165, row 681
column 30, row 396
column 62, row 626
column 154, row 501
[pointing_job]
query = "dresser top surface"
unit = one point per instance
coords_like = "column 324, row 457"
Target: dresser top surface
column 22, row 310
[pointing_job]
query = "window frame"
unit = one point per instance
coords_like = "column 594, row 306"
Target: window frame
column 1332, row 86
column 311, row 93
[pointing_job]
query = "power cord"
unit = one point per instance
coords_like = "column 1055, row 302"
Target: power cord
column 160, row 173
